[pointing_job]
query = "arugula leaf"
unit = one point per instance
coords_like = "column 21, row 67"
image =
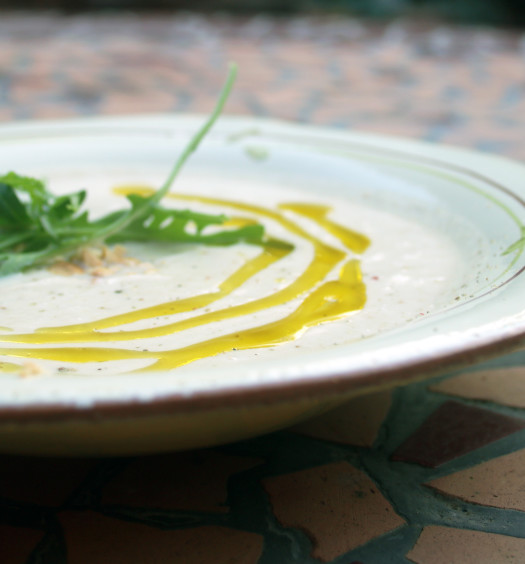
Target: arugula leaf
column 518, row 245
column 36, row 226
column 166, row 225
column 143, row 204
column 12, row 211
column 13, row 262
column 32, row 186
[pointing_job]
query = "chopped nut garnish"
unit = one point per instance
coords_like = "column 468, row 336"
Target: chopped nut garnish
column 101, row 271
column 64, row 268
column 91, row 257
column 30, row 369
column 96, row 261
column 117, row 255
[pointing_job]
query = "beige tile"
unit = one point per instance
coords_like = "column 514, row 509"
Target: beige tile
column 503, row 385
column 337, row 506
column 395, row 127
column 500, row 482
column 443, row 545
column 54, row 111
column 6, row 114
column 119, row 103
column 357, row 422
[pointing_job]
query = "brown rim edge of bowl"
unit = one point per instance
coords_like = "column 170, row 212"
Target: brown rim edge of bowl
column 279, row 392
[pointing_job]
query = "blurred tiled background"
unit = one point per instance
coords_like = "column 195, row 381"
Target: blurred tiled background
column 459, row 85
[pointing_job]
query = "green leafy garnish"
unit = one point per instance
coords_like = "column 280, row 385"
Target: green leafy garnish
column 518, row 245
column 37, row 226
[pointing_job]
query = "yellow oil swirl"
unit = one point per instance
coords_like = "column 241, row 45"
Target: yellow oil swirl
column 330, row 301
column 321, row 300
column 90, row 332
column 8, row 367
column 351, row 239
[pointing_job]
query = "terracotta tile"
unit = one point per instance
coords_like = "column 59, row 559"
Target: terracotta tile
column 91, row 537
column 357, row 422
column 410, row 66
column 276, row 99
column 6, row 114
column 336, row 505
column 497, row 483
column 395, row 127
column 17, row 543
column 438, row 545
column 23, row 479
column 453, row 430
column 251, row 73
column 501, row 385
column 54, row 111
column 145, row 101
column 194, row 481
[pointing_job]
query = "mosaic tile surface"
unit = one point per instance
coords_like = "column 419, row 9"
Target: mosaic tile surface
column 456, row 85
column 428, row 473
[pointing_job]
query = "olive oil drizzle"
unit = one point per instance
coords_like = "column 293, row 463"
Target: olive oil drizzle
column 324, row 260
column 323, row 301
column 328, row 302
column 351, row 239
column 8, row 367
column 90, row 332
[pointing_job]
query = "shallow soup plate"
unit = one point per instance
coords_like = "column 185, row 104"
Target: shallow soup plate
column 400, row 260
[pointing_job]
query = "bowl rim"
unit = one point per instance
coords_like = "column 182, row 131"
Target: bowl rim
column 344, row 380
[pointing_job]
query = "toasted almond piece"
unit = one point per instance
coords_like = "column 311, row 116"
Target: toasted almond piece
column 101, row 271
column 30, row 369
column 65, row 268
column 91, row 257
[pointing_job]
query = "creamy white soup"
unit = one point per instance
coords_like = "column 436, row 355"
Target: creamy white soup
column 350, row 271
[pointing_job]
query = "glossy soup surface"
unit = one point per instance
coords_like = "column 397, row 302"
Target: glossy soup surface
column 354, row 271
